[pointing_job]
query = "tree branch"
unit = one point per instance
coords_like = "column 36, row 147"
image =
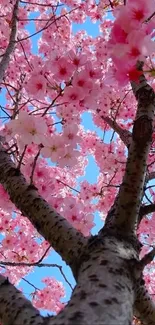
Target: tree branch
column 147, row 259
column 124, row 135
column 131, row 189
column 66, row 240
column 10, row 48
column 144, row 306
column 15, row 308
column 14, row 264
column 151, row 176
column 146, row 209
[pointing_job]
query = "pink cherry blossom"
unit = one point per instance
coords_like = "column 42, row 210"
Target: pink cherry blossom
column 42, row 298
column 93, row 73
column 36, row 85
column 73, row 94
column 140, row 45
column 32, row 126
column 63, row 69
column 69, row 158
column 77, row 59
column 70, row 133
column 81, row 80
column 53, row 147
column 140, row 10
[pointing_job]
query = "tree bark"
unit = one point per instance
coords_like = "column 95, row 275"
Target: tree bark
column 104, row 293
column 12, row 41
column 144, row 306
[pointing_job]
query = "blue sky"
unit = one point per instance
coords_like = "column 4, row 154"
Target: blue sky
column 39, row 273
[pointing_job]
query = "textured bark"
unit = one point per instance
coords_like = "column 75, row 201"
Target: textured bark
column 151, row 176
column 12, row 41
column 146, row 209
column 104, row 293
column 131, row 190
column 15, row 309
column 50, row 224
column 144, row 306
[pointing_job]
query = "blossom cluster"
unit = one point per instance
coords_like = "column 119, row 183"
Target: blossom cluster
column 47, row 91
column 131, row 38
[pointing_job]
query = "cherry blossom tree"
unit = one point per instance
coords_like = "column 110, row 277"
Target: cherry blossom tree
column 44, row 150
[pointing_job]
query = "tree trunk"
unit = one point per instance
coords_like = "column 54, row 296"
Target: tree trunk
column 104, row 293
column 105, row 290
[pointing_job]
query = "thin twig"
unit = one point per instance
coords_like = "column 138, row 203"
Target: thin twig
column 16, row 264
column 48, row 24
column 34, row 166
column 53, row 101
column 21, row 158
column 31, row 284
column 148, row 19
column 10, row 48
column 147, row 209
column 40, row 4
column 72, row 188
column 147, row 259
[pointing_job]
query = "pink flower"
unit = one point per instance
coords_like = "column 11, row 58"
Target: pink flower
column 77, row 59
column 70, row 135
column 73, row 94
column 30, row 128
column 81, row 80
column 126, row 74
column 139, row 45
column 118, row 35
column 87, row 224
column 9, row 241
column 53, row 147
column 69, row 158
column 49, row 296
column 140, row 10
column 62, row 69
column 134, row 74
column 93, row 73
column 36, row 86
column 133, row 15
column 7, row 131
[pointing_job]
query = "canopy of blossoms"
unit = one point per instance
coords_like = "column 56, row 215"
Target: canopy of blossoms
column 45, row 93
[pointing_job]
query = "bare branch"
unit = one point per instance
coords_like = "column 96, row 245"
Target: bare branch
column 146, row 209
column 48, row 24
column 147, row 259
column 15, row 264
column 151, row 176
column 124, row 135
column 111, row 4
column 10, row 48
column 38, row 264
column 149, row 18
column 71, row 188
column 66, row 240
column 41, row 4
column 34, row 165
column 30, row 283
